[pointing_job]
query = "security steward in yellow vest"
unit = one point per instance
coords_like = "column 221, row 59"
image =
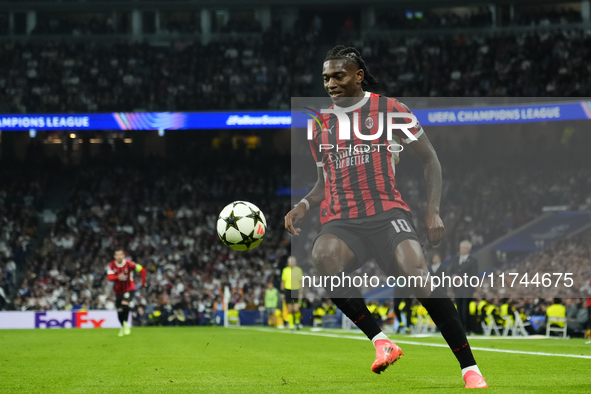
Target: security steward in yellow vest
column 556, row 310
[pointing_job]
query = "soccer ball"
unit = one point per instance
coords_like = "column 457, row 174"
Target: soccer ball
column 241, row 225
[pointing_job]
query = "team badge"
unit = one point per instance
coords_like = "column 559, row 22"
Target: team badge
column 369, row 122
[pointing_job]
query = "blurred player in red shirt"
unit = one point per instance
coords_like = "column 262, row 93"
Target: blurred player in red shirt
column 121, row 272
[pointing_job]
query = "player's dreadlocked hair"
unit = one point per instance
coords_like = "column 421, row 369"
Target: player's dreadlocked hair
column 353, row 55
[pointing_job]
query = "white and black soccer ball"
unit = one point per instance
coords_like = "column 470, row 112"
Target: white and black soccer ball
column 241, row 225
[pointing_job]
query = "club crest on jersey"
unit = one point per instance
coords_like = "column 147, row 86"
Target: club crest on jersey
column 369, row 122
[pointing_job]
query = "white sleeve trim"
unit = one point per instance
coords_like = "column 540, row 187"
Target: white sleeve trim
column 110, row 272
column 417, row 135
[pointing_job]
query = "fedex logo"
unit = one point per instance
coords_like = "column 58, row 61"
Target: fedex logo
column 77, row 320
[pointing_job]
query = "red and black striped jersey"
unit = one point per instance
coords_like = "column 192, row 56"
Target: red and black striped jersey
column 127, row 269
column 359, row 174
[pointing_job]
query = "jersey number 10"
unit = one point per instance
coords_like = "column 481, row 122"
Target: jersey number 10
column 401, row 225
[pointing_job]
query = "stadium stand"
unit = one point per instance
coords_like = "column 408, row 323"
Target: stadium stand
column 568, row 255
column 165, row 218
column 163, row 214
column 94, row 76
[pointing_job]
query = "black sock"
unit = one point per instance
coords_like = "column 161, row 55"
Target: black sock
column 125, row 313
column 120, row 315
column 355, row 309
column 445, row 315
column 408, row 312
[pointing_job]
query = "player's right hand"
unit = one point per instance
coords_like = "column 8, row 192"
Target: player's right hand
column 293, row 217
column 122, row 277
column 435, row 229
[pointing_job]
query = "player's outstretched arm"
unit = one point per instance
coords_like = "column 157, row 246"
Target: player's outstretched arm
column 432, row 173
column 111, row 275
column 142, row 272
column 314, row 198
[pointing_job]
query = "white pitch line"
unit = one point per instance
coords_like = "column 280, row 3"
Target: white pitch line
column 484, row 349
column 438, row 335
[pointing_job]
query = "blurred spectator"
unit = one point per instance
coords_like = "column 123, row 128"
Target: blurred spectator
column 576, row 317
column 266, row 73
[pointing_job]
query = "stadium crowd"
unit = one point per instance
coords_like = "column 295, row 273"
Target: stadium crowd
column 165, row 219
column 522, row 65
column 94, row 77
column 91, row 77
column 164, row 216
column 571, row 255
column 21, row 196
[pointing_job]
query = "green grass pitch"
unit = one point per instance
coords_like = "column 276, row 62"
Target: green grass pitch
column 257, row 360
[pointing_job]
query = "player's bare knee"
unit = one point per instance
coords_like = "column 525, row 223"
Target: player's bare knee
column 124, row 303
column 331, row 255
column 410, row 259
column 325, row 260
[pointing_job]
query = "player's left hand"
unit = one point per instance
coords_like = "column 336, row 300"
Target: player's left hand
column 435, row 229
column 293, row 217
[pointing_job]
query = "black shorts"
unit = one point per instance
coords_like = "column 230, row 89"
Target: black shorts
column 128, row 296
column 375, row 236
column 289, row 299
